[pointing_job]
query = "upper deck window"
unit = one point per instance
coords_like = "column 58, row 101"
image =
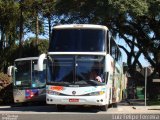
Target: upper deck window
column 77, row 40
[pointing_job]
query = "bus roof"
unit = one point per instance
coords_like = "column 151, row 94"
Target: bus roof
column 27, row 58
column 74, row 26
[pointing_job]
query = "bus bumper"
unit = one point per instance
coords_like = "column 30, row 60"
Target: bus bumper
column 76, row 100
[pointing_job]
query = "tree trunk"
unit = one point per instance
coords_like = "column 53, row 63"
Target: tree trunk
column 2, row 40
column 6, row 41
column 136, row 57
column 49, row 24
column 37, row 28
column 21, row 25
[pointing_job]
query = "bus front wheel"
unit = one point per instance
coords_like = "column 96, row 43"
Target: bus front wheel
column 104, row 107
column 114, row 105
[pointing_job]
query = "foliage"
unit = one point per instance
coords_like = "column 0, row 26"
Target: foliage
column 29, row 49
column 133, row 7
column 8, row 22
column 153, row 102
column 30, row 45
column 6, row 90
column 135, row 21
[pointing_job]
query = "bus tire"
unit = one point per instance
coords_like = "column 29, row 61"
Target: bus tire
column 114, row 105
column 104, row 108
column 60, row 107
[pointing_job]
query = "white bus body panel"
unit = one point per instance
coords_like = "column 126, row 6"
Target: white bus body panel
column 80, row 96
column 82, row 26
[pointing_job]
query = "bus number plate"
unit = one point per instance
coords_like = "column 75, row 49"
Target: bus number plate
column 73, row 100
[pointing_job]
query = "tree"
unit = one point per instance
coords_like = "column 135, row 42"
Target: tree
column 134, row 21
column 8, row 22
column 48, row 12
column 8, row 29
column 143, row 26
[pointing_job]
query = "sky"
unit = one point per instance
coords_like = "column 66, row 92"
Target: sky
column 142, row 59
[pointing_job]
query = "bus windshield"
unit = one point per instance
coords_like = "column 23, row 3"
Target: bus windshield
column 38, row 77
column 77, row 70
column 26, row 74
column 22, row 73
column 79, row 40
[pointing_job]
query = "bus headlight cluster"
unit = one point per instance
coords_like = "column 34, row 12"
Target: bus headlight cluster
column 96, row 93
column 52, row 92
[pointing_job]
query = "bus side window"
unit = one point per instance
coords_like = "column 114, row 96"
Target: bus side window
column 113, row 48
column 107, row 42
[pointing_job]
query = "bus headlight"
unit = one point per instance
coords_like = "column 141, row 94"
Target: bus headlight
column 96, row 93
column 52, row 92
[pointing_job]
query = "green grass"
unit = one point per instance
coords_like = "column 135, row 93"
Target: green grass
column 153, row 102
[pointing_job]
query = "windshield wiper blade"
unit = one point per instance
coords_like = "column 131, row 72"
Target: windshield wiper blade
column 59, row 83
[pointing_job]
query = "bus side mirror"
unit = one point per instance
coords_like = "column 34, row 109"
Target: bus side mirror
column 9, row 70
column 40, row 62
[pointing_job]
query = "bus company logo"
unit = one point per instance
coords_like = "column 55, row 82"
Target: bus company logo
column 73, row 92
column 56, row 88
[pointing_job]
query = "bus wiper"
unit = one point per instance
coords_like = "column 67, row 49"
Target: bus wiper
column 60, row 83
column 94, row 82
column 87, row 82
column 81, row 82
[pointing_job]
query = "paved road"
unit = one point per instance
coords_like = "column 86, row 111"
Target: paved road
column 51, row 109
column 57, row 117
column 46, row 112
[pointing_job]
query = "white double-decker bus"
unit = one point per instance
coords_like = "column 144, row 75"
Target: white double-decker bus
column 84, row 67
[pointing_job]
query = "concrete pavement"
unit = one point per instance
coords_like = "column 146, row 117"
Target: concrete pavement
column 124, row 107
column 139, row 105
